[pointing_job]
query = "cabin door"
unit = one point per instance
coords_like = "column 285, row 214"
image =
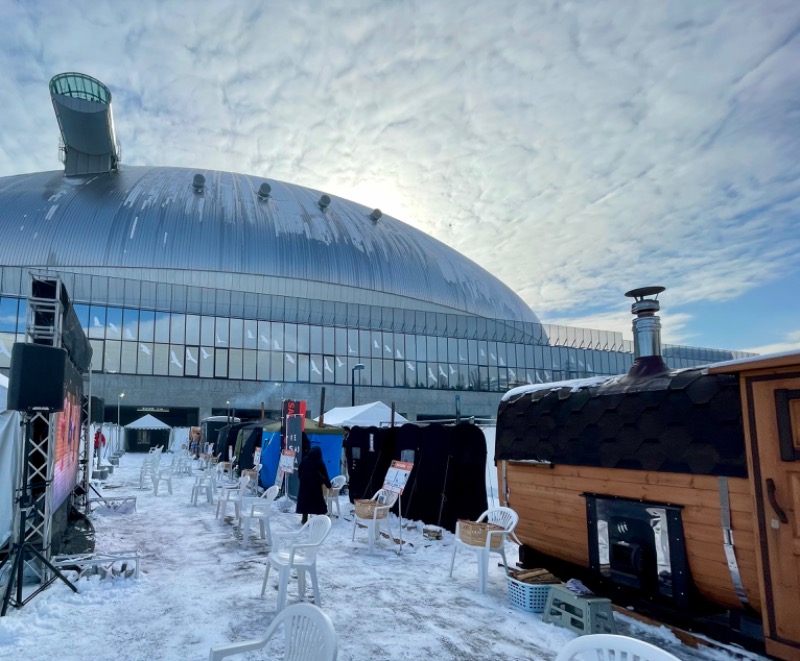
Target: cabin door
column 774, row 426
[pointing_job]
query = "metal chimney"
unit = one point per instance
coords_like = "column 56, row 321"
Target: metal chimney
column 646, row 332
column 647, row 325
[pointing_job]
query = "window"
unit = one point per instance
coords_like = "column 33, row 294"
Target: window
column 111, row 362
column 191, row 364
column 145, row 361
column 162, row 320
column 147, row 324
column 177, row 359
column 235, row 364
column 130, row 352
column 114, row 323
column 221, row 363
column 177, row 329
column 237, row 331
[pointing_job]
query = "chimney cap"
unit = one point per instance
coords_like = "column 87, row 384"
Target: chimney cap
column 641, row 292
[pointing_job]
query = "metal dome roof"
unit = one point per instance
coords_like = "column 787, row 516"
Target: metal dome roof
column 155, row 218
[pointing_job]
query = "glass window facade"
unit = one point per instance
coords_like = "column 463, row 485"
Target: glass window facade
column 179, row 331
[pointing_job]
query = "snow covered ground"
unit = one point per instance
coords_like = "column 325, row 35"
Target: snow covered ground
column 200, row 586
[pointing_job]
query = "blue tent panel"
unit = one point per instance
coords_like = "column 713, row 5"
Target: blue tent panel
column 270, row 456
column 331, row 446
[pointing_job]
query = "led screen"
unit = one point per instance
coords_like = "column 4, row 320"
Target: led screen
column 67, row 437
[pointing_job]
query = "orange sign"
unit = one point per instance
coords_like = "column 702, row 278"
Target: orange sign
column 397, row 476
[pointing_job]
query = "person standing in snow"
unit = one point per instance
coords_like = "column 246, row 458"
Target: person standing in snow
column 313, row 475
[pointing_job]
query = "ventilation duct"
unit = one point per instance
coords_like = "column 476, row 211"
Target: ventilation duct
column 264, row 190
column 324, row 202
column 198, row 183
column 83, row 110
column 376, row 215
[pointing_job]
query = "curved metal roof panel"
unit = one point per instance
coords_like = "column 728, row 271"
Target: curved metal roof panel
column 152, row 217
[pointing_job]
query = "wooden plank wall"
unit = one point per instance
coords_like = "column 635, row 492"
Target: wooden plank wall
column 553, row 517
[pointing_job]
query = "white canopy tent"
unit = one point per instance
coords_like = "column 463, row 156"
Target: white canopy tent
column 147, row 422
column 10, row 450
column 374, row 414
column 146, row 433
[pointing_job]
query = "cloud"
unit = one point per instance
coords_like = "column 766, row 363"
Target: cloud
column 574, row 151
column 790, row 342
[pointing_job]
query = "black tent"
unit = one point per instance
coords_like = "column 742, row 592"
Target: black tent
column 448, row 481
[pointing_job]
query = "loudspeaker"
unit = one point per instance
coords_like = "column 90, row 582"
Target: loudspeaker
column 36, row 380
column 98, row 409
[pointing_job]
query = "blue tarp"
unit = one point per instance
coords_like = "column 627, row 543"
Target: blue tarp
column 330, row 444
column 270, row 455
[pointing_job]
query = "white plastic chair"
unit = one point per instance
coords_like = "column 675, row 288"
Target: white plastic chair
column 233, row 494
column 308, row 632
column 332, row 496
column 380, row 516
column 253, row 474
column 162, row 475
column 610, row 647
column 501, row 516
column 257, row 509
column 298, row 551
column 150, row 466
column 203, row 484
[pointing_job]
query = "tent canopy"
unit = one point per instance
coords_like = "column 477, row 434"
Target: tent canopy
column 374, row 414
column 147, row 422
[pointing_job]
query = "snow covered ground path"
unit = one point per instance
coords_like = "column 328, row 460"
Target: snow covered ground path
column 200, row 586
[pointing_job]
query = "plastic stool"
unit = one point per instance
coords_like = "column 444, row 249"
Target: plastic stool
column 579, row 614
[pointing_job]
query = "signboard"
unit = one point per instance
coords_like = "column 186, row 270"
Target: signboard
column 294, row 434
column 286, row 462
column 397, row 476
column 293, row 407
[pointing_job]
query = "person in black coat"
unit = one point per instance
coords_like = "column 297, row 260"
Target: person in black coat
column 313, row 475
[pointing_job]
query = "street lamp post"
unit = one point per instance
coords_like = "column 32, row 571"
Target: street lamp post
column 358, row 367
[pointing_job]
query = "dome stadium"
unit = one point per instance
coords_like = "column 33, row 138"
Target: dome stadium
column 203, row 291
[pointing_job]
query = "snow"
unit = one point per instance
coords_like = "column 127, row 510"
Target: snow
column 200, row 586
column 574, row 384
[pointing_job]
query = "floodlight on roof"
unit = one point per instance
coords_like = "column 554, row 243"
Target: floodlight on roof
column 198, row 183
column 324, row 202
column 376, row 214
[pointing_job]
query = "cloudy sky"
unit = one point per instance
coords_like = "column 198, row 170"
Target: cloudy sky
column 574, row 149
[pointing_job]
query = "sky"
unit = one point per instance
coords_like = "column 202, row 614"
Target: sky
column 200, row 586
column 574, row 149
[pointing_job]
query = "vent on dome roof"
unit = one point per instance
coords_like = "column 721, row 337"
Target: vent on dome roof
column 324, row 202
column 376, row 215
column 198, row 183
column 264, row 190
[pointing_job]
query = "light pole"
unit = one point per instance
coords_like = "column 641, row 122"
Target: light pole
column 120, row 397
column 358, row 367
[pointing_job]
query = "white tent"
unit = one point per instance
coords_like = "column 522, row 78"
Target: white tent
column 10, row 450
column 374, row 414
column 3, row 392
column 147, row 422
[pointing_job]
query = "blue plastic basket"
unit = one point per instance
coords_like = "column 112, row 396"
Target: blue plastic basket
column 527, row 597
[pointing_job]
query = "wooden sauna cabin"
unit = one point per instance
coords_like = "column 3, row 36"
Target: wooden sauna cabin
column 652, row 483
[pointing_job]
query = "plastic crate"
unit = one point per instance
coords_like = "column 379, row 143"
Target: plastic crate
column 526, row 596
